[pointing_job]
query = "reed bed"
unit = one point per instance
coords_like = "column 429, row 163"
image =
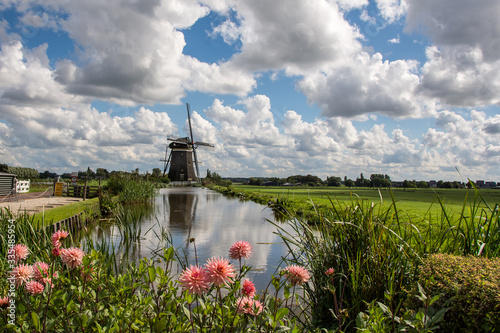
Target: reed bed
column 375, row 254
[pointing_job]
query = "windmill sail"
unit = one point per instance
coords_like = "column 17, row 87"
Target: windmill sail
column 192, row 142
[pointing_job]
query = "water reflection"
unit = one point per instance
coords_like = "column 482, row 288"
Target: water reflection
column 215, row 222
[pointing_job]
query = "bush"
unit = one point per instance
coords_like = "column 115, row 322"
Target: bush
column 131, row 189
column 470, row 287
column 107, row 204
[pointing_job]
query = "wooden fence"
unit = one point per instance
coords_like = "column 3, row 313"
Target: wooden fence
column 72, row 223
column 83, row 191
column 77, row 221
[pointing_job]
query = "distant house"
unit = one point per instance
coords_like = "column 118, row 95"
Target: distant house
column 7, row 183
column 480, row 183
column 433, row 183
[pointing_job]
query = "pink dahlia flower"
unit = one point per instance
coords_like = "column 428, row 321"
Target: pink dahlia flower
column 41, row 270
column 4, row 301
column 72, row 256
column 219, row 271
column 21, row 252
column 56, row 252
column 22, row 274
column 46, row 281
column 57, row 236
column 240, row 249
column 248, row 288
column 34, row 287
column 249, row 306
column 195, row 280
column 297, row 275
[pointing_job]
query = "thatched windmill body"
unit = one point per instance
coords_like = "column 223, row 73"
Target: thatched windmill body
column 182, row 163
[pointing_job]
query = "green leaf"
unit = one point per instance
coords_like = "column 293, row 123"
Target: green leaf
column 281, row 313
column 36, row 320
column 438, row 316
column 168, row 254
column 186, row 312
column 151, row 273
column 84, row 318
column 384, row 308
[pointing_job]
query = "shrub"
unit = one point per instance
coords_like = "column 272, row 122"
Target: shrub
column 131, row 189
column 470, row 287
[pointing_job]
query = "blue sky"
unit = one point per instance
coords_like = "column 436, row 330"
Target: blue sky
column 407, row 88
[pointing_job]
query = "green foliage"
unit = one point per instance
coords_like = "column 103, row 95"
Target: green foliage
column 131, row 189
column 213, row 178
column 470, row 287
column 107, row 203
column 358, row 242
column 375, row 254
column 379, row 318
column 142, row 297
column 334, row 181
column 379, row 180
column 304, row 179
column 22, row 172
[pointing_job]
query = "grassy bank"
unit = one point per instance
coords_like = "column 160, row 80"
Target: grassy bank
column 414, row 203
column 89, row 207
column 401, row 260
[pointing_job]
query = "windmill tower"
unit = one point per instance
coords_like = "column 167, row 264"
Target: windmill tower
column 182, row 163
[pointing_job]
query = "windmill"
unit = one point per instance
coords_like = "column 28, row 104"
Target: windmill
column 182, row 161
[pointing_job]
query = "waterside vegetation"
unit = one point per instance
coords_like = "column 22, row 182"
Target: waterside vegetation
column 391, row 268
column 358, row 265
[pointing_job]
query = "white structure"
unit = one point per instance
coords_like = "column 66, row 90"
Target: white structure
column 22, row 186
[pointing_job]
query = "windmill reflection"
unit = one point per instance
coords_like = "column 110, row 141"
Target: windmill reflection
column 182, row 211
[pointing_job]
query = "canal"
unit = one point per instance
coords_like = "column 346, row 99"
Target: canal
column 215, row 222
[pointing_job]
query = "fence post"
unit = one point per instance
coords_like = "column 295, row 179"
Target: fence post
column 85, row 189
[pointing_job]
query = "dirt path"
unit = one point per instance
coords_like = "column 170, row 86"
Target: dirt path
column 34, row 202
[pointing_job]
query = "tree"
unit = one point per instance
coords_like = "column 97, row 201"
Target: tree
column 102, row 173
column 446, row 185
column 90, row 173
column 361, row 181
column 422, row 184
column 156, row 172
column 409, row 183
column 349, row 183
column 255, row 181
column 333, row 181
column 379, row 180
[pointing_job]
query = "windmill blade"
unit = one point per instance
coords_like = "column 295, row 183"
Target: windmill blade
column 192, row 142
column 198, row 143
column 166, row 161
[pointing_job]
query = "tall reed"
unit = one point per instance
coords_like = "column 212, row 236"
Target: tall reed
column 375, row 251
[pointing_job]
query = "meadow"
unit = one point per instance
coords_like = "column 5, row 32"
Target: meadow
column 413, row 203
column 364, row 265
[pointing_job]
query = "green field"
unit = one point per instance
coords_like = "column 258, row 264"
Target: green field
column 415, row 203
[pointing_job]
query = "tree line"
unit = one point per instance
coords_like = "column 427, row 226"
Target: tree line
column 375, row 180
column 20, row 172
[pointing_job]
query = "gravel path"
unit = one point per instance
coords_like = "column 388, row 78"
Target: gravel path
column 34, row 203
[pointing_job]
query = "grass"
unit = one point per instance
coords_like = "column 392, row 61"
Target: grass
column 375, row 253
column 413, row 203
column 60, row 213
